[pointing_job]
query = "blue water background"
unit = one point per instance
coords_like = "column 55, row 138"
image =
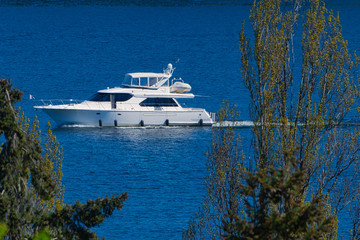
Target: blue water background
column 56, row 51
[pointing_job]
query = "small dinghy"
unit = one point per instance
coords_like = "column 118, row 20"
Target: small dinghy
column 180, row 87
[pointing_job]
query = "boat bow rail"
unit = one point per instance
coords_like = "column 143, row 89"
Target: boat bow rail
column 65, row 103
column 49, row 102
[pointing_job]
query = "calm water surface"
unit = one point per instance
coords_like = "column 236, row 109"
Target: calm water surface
column 73, row 51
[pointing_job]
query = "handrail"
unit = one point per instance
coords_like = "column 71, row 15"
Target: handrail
column 47, row 102
column 70, row 102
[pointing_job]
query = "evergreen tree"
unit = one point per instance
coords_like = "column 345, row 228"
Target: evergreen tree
column 31, row 190
column 276, row 209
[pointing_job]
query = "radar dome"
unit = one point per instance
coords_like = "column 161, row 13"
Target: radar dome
column 169, row 70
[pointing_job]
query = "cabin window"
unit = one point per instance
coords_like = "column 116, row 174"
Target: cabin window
column 122, row 97
column 152, row 81
column 100, row 97
column 135, row 82
column 127, row 80
column 158, row 102
column 144, row 81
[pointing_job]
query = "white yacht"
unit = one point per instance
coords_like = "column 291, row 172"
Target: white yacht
column 145, row 99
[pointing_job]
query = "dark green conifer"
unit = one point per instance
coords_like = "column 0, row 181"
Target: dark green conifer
column 31, row 190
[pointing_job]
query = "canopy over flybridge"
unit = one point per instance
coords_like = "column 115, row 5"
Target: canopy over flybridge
column 147, row 74
column 148, row 80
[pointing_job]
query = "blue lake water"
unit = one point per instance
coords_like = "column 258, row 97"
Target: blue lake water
column 73, row 51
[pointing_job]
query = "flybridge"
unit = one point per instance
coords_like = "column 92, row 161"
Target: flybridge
column 148, row 79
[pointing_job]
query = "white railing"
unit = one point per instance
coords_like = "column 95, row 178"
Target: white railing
column 47, row 102
column 176, row 80
column 70, row 102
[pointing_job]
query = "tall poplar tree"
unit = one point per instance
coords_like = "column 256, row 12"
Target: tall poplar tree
column 298, row 103
column 31, row 190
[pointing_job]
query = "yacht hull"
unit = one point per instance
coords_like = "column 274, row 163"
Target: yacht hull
column 121, row 118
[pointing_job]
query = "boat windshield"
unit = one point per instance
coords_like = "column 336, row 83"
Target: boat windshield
column 100, row 97
column 127, row 80
column 141, row 81
column 122, row 97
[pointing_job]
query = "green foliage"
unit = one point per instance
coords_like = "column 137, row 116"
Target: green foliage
column 301, row 112
column 42, row 235
column 267, row 204
column 3, row 230
column 75, row 220
column 53, row 161
column 275, row 208
column 31, row 199
column 300, row 156
column 23, row 178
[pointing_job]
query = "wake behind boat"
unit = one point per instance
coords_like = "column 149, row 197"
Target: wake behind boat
column 145, row 99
